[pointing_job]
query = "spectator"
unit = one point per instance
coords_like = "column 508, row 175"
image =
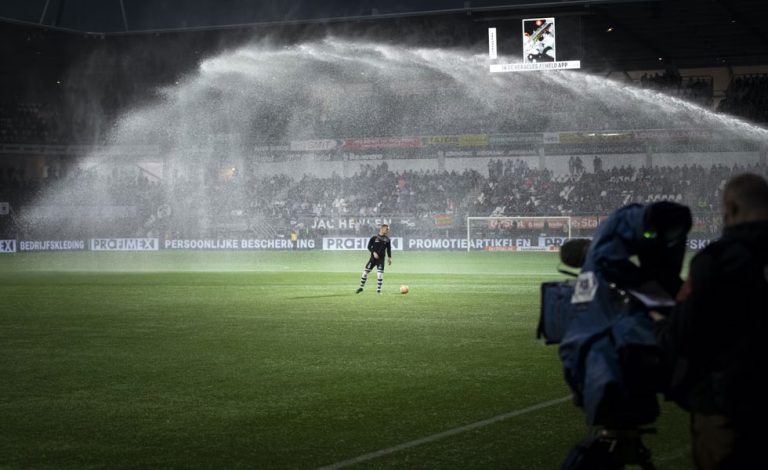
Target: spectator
column 716, row 334
column 597, row 164
column 268, row 204
column 747, row 96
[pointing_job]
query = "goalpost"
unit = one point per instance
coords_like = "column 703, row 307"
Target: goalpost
column 512, row 232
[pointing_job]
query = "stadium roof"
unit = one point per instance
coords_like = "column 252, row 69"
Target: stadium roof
column 120, row 16
column 613, row 34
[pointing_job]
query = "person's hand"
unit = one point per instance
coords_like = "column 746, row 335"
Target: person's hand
column 375, row 255
column 389, row 261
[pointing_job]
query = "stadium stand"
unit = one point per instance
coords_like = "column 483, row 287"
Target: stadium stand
column 697, row 89
column 27, row 123
column 747, row 97
column 231, row 206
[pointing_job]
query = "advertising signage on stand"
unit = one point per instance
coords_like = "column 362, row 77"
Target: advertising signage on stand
column 315, row 145
column 602, row 141
column 7, row 246
column 355, row 243
column 124, row 244
column 487, row 244
column 463, row 140
column 235, row 244
column 521, row 138
column 52, row 245
column 382, row 143
column 341, row 243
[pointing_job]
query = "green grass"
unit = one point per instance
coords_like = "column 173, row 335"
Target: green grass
column 269, row 360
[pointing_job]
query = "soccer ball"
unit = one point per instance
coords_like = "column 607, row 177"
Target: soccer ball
column 404, row 289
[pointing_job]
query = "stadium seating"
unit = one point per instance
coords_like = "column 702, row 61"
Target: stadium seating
column 377, row 191
column 747, row 96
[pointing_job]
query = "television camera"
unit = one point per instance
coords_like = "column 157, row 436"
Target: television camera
column 600, row 321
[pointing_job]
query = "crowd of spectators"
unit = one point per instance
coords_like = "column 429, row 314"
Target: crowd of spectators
column 49, row 121
column 86, row 203
column 549, row 107
column 23, row 123
column 129, row 203
column 446, row 108
column 696, row 89
column 430, row 111
column 747, row 96
column 525, row 191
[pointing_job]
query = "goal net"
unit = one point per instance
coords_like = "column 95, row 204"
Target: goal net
column 517, row 233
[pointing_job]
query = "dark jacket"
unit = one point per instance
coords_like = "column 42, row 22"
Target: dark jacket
column 380, row 244
column 716, row 334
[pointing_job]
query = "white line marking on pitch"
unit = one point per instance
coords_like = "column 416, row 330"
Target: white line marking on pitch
column 450, row 432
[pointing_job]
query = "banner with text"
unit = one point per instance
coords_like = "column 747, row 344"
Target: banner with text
column 52, row 245
column 580, row 222
column 697, row 244
column 351, row 223
column 528, row 223
column 522, row 138
column 462, row 243
column 552, row 241
column 239, row 244
column 443, row 220
column 463, row 140
column 124, row 244
column 382, row 143
column 322, row 145
column 7, row 246
column 355, row 243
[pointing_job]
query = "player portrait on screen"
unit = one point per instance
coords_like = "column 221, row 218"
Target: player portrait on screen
column 539, row 40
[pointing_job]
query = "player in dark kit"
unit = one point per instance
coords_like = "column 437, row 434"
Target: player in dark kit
column 378, row 245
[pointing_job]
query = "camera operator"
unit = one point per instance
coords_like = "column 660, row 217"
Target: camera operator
column 715, row 332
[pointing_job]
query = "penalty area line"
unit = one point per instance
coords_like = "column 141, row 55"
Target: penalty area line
column 441, row 435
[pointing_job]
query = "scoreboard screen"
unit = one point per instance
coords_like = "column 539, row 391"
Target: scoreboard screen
column 539, row 44
column 539, row 48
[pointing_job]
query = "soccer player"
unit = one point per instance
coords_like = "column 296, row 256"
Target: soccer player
column 378, row 245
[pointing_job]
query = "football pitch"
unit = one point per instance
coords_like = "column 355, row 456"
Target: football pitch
column 270, row 360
